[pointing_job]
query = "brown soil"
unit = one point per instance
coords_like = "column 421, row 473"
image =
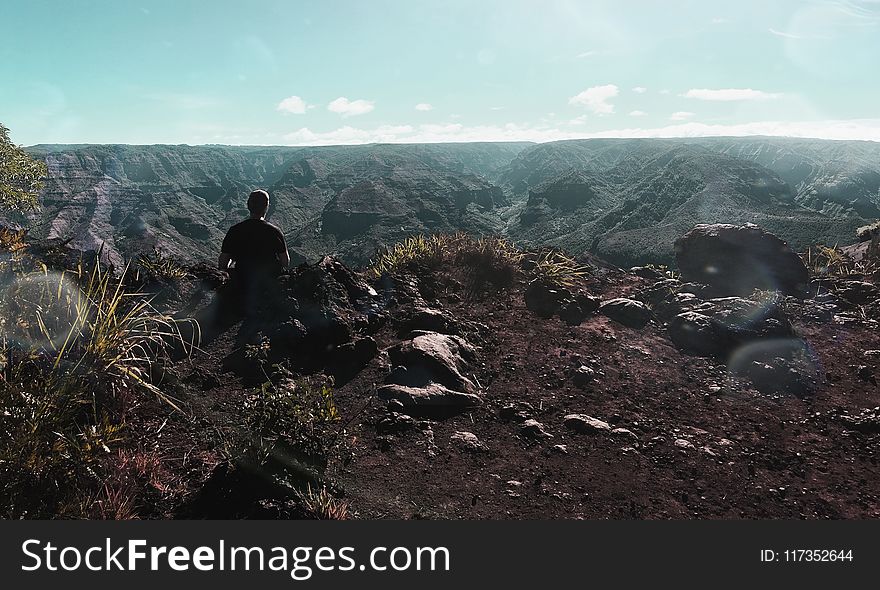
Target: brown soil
column 704, row 446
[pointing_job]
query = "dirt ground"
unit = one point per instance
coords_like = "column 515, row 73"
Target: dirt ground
column 696, row 444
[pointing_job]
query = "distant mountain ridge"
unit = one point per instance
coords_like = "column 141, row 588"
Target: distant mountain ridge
column 624, row 199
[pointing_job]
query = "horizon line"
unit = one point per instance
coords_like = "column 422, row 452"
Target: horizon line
column 476, row 141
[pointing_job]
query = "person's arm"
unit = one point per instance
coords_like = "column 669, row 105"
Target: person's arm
column 284, row 258
column 282, row 254
column 225, row 251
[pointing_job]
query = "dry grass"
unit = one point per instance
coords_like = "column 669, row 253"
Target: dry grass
column 481, row 262
column 159, row 266
column 831, row 261
column 557, row 268
column 78, row 353
column 322, row 505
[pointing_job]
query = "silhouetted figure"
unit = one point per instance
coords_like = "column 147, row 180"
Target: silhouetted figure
column 255, row 253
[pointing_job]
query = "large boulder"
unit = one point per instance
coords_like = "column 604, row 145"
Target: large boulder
column 629, row 312
column 434, row 358
column 736, row 260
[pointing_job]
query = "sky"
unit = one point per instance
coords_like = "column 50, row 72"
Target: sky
column 302, row 72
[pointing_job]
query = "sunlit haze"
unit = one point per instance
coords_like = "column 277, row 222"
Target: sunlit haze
column 275, row 72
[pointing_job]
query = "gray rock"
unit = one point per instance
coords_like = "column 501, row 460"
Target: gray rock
column 696, row 333
column 468, row 441
column 395, row 422
column 624, row 433
column 646, row 272
column 434, row 358
column 583, row 424
column 583, row 376
column 544, row 299
column 629, row 312
column 718, row 326
column 736, row 260
column 531, row 428
column 426, row 319
column 430, row 400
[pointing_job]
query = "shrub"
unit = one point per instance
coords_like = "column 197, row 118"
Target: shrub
column 322, row 505
column 78, row 352
column 832, row 261
column 411, row 252
column 479, row 261
column 558, row 269
column 21, row 177
column 159, row 266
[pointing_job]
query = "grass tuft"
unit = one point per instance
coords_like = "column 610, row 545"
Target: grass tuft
column 78, row 351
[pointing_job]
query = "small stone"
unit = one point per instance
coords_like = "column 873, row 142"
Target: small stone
column 585, row 424
column 395, row 423
column 533, row 429
column 583, row 376
column 468, row 441
column 683, row 443
column 625, row 432
column 561, row 449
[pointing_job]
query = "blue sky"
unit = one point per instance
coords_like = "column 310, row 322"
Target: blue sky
column 297, row 72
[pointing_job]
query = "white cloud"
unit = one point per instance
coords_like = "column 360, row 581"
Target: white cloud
column 496, row 108
column 587, row 54
column 637, row 113
column 729, row 94
column 664, row 91
column 596, row 99
column 719, row 20
column 640, row 90
column 292, row 104
column 350, row 108
column 680, row 116
column 784, row 34
column 424, row 106
column 578, row 120
column 857, row 129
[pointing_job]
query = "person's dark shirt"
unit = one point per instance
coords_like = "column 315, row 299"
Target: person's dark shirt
column 254, row 245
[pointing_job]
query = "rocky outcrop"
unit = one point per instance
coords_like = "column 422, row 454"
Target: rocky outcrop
column 736, row 260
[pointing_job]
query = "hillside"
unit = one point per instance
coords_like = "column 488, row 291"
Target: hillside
column 465, row 379
column 623, row 199
column 181, row 199
column 645, row 192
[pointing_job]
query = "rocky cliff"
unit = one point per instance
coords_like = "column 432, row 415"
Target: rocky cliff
column 625, row 199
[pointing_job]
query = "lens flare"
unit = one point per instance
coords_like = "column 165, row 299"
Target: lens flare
column 40, row 310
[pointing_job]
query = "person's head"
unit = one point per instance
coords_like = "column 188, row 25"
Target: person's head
column 258, row 203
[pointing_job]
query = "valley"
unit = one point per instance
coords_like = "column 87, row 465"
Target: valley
column 624, row 200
